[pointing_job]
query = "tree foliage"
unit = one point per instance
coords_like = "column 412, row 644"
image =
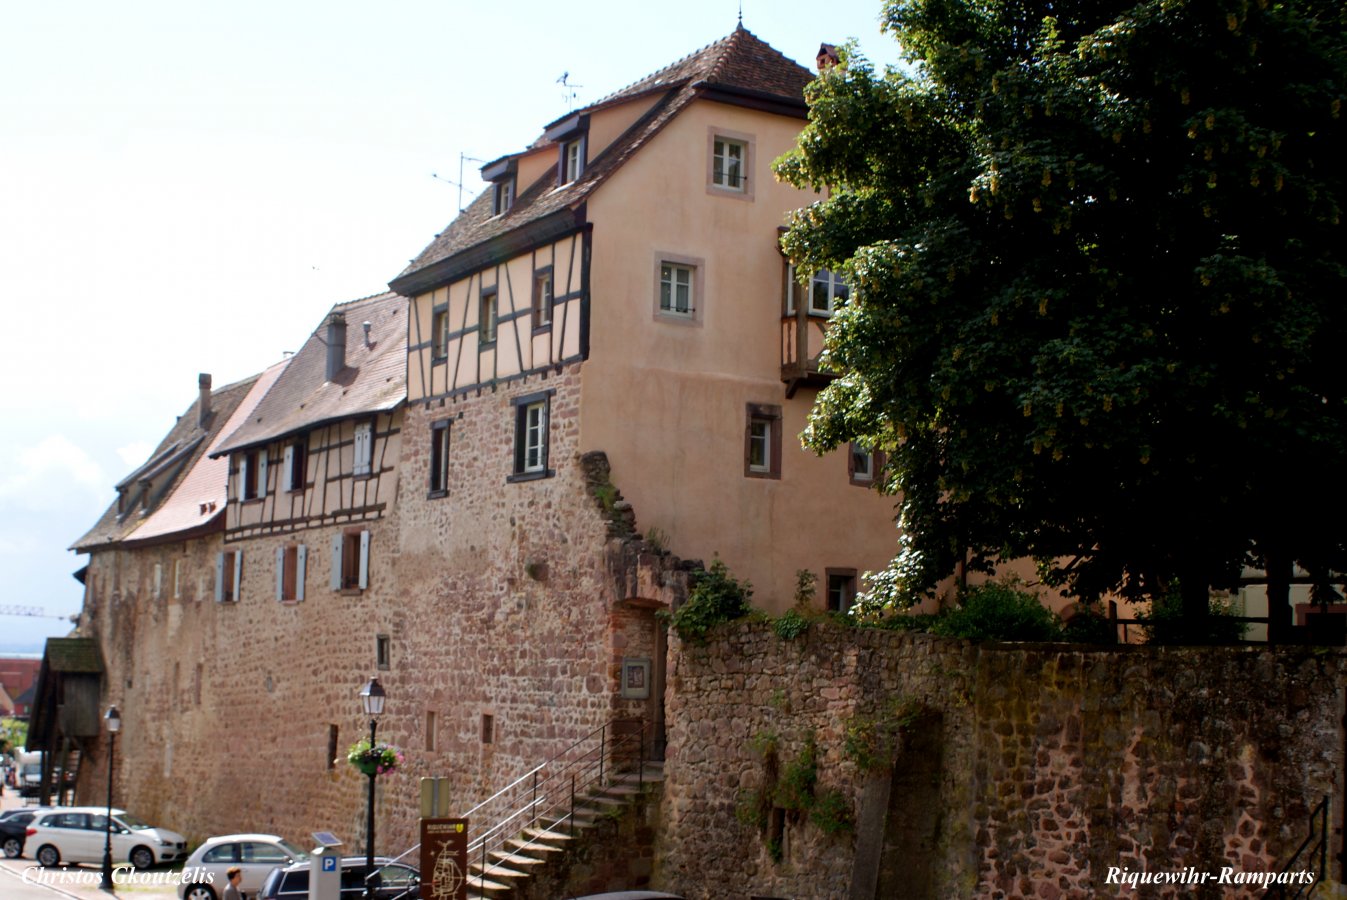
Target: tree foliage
column 1098, row 271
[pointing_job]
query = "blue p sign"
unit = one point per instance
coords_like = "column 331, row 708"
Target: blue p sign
column 329, row 864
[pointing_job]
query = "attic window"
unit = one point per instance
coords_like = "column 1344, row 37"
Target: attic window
column 502, row 196
column 570, row 135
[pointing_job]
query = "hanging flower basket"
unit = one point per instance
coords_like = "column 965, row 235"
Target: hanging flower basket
column 377, row 760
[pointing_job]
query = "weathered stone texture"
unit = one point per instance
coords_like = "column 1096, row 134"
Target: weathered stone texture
column 1055, row 763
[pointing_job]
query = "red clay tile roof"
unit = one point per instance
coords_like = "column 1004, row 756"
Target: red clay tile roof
column 186, row 433
column 740, row 66
column 374, row 379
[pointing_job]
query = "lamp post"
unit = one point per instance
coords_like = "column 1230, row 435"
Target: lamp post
column 372, row 700
column 113, row 720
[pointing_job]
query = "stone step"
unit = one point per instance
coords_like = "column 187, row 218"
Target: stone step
column 497, row 872
column 542, row 834
column 514, row 860
column 478, row 886
column 533, row 847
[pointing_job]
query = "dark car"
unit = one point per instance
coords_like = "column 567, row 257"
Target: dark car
column 392, row 881
column 14, row 831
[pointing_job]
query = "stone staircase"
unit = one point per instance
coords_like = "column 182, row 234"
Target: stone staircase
column 541, row 854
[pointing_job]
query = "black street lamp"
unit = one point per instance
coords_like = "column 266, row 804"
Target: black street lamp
column 113, row 720
column 372, row 700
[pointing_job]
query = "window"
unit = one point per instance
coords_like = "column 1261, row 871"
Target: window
column 430, row 731
column 678, row 288
column 825, row 289
column 439, row 458
column 177, row 578
column 675, row 289
column 158, row 580
column 383, row 651
column 290, row 565
column 542, row 298
column 364, row 448
column 350, row 560
column 762, row 442
column 488, row 728
column 332, row 732
column 727, row 163
column 863, row 465
column 228, row 575
column 572, row 160
column 487, row 317
column 439, row 335
column 841, row 589
column 252, row 474
column 293, row 473
column 530, row 437
column 502, row 196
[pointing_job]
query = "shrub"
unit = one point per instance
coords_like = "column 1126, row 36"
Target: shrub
column 791, row 625
column 716, row 597
column 1165, row 623
column 999, row 611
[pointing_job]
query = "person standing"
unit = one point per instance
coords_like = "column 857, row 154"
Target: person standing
column 233, row 877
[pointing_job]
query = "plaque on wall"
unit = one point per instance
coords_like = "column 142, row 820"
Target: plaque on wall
column 636, row 678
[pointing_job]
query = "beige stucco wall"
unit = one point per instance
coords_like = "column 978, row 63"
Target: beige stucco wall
column 668, row 400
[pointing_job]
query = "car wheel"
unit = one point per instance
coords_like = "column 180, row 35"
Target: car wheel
column 13, row 848
column 142, row 858
column 48, row 856
column 199, row 892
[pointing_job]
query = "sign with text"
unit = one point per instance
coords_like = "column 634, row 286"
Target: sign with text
column 444, row 859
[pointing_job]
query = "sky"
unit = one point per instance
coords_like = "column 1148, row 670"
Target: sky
column 189, row 187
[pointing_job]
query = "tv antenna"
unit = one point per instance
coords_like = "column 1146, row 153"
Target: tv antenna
column 462, row 158
column 568, row 90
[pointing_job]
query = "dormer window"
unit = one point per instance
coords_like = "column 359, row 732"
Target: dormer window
column 572, row 160
column 501, row 174
column 569, row 135
column 502, row 196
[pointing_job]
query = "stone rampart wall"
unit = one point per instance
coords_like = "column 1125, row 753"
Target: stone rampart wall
column 1025, row 770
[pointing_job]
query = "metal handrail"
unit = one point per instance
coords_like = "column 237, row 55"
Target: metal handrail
column 1319, row 813
column 547, row 792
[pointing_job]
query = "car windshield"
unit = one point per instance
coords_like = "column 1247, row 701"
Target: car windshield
column 135, row 823
column 292, row 851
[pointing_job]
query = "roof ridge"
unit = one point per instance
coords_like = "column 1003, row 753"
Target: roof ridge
column 730, row 42
column 655, row 74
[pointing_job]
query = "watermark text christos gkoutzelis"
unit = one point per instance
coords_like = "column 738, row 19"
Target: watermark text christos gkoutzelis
column 122, row 874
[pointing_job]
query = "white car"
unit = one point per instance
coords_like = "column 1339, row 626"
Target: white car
column 255, row 854
column 77, row 833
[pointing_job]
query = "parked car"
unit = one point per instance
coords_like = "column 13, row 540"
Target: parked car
column 6, row 814
column 256, row 854
column 14, row 831
column 392, row 881
column 76, row 834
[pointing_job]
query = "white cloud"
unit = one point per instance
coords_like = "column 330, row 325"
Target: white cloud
column 134, row 454
column 39, row 476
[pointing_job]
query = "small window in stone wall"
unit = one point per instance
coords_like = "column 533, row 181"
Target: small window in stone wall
column 488, row 729
column 430, row 732
column 331, row 747
column 383, row 651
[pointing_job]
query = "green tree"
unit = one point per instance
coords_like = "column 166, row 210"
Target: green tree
column 1096, row 254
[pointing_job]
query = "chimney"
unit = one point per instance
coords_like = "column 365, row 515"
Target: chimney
column 827, row 57
column 336, row 345
column 203, row 405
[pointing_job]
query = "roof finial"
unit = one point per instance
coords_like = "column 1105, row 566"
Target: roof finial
column 741, row 13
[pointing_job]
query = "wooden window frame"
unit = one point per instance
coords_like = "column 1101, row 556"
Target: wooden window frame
column 851, row 588
column 295, row 465
column 543, row 299
column 437, row 483
column 291, row 568
column 228, row 575
column 768, row 417
column 362, row 467
column 439, row 334
column 524, row 469
column 350, row 560
column 717, row 183
column 488, row 317
column 856, row 476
